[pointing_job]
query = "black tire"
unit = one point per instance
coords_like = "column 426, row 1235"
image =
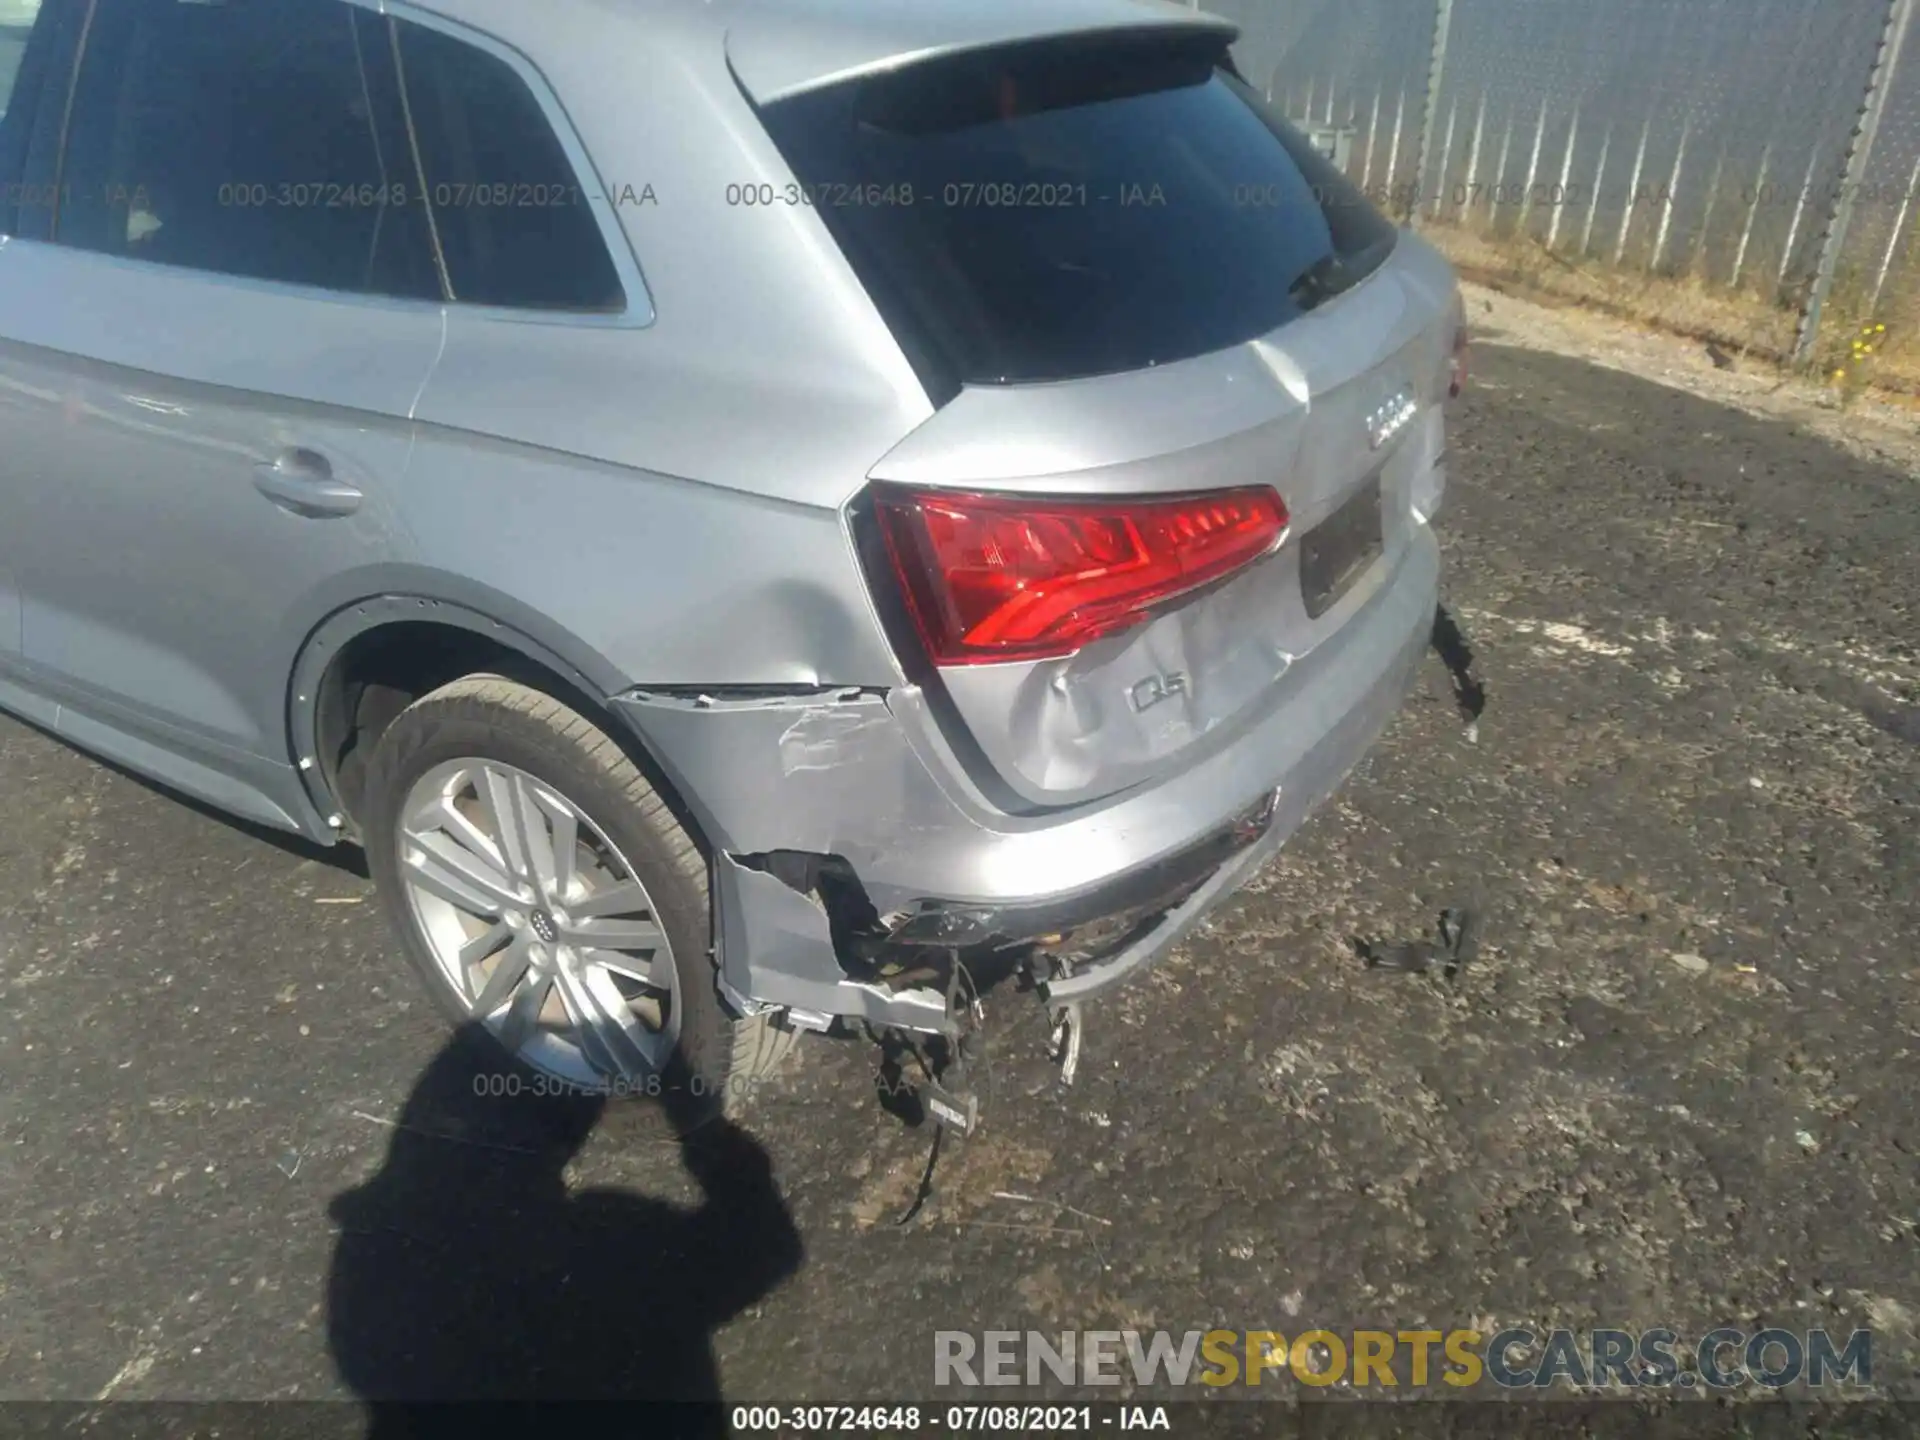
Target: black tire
column 719, row 1057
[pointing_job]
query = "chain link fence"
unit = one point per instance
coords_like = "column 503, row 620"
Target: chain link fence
column 1747, row 171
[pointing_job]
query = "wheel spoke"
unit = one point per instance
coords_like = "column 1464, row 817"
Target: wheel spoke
column 611, row 1047
column 622, row 898
column 580, row 1010
column 440, row 813
column 517, row 1025
column 565, row 842
column 630, row 966
column 536, row 821
column 508, row 971
column 444, row 867
column 483, row 945
column 613, row 934
column 504, row 795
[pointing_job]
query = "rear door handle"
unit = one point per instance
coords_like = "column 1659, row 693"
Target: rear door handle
column 303, row 481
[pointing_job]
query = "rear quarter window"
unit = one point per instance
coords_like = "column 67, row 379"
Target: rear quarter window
column 16, row 25
column 36, row 55
column 1075, row 207
column 515, row 224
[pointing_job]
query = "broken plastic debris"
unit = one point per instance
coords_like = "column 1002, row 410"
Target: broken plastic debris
column 1453, row 947
column 1068, row 1025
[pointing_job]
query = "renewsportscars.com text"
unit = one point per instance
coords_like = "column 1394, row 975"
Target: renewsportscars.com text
column 1510, row 1359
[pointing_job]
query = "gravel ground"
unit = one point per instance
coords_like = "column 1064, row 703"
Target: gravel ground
column 1676, row 1088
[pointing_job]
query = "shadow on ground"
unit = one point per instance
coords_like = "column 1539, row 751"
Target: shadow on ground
column 467, row 1269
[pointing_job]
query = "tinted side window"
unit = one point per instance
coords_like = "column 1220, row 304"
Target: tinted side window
column 514, row 221
column 259, row 138
column 36, row 56
column 16, row 24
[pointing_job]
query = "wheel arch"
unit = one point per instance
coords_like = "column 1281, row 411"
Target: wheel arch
column 415, row 641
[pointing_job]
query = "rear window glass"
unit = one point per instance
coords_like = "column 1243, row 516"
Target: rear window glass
column 1074, row 208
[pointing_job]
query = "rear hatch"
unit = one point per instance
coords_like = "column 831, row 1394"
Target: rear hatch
column 1185, row 381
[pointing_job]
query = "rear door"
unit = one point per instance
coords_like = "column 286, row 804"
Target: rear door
column 1121, row 278
column 210, row 343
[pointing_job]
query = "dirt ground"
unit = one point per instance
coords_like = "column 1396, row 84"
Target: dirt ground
column 1677, row 1087
column 1875, row 426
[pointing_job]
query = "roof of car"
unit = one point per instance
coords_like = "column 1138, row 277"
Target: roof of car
column 782, row 47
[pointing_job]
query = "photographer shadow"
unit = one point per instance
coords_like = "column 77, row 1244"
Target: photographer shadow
column 466, row 1270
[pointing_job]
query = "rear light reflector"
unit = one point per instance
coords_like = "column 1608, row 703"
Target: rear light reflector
column 1012, row 577
column 1457, row 355
column 1457, row 364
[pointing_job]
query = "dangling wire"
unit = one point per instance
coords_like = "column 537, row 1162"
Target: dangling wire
column 976, row 1010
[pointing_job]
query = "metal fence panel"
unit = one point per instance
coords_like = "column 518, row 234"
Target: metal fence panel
column 1680, row 136
column 1699, row 142
column 1877, row 275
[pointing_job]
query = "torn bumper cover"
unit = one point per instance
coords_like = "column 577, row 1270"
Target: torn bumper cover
column 859, row 789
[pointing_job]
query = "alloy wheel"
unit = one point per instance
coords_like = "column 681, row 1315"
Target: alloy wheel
column 539, row 923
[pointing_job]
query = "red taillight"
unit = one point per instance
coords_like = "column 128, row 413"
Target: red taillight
column 1007, row 577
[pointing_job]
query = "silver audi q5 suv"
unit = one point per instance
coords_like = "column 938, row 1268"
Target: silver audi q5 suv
column 761, row 515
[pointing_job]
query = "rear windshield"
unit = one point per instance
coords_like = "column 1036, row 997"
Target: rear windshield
column 1077, row 207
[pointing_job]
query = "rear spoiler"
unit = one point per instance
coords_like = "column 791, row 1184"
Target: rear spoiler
column 782, row 48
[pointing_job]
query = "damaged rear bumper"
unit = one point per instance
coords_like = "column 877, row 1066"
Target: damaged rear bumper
column 868, row 779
